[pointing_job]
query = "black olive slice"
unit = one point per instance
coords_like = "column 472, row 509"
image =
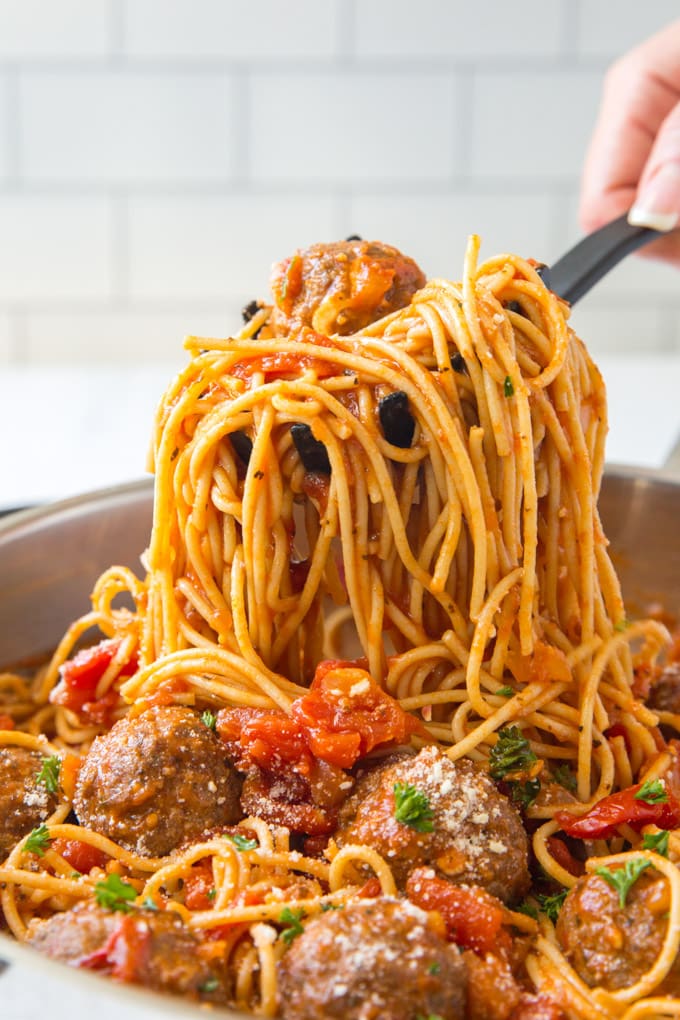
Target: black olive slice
column 249, row 310
column 397, row 421
column 458, row 363
column 312, row 453
column 242, row 444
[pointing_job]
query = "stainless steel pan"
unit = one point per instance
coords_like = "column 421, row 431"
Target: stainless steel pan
column 50, row 558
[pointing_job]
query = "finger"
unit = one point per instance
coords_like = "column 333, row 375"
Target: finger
column 640, row 90
column 657, row 202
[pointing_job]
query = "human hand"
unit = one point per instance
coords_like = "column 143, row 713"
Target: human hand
column 634, row 157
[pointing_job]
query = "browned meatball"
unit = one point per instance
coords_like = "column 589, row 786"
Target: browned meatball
column 157, row 781
column 613, row 946
column 341, row 287
column 476, row 833
column 152, row 948
column 24, row 802
column 372, row 959
column 664, row 694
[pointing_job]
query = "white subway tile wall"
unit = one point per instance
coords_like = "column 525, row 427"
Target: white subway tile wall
column 156, row 156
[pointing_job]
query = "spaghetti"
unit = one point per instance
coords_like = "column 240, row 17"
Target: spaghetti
column 418, row 496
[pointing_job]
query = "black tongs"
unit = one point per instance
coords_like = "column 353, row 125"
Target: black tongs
column 575, row 273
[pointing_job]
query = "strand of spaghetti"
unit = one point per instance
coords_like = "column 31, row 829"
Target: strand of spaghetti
column 587, row 703
column 264, row 937
column 526, row 700
column 355, row 852
column 482, row 634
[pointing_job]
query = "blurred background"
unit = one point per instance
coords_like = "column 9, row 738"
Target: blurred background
column 156, row 156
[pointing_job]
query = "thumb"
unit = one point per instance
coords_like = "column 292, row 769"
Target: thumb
column 657, row 202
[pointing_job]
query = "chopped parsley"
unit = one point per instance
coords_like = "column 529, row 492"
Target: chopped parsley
column 505, row 692
column 434, row 967
column 209, row 719
column 656, row 841
column 508, row 388
column 292, row 920
column 652, row 791
column 38, row 841
column 211, row 985
column 412, row 808
column 211, row 894
column 551, row 905
column 49, row 773
column 622, row 879
column 115, row 894
column 565, row 777
column 524, row 794
column 241, row 842
column 510, row 753
column 621, row 625
column 325, row 907
column 150, row 904
column 528, row 908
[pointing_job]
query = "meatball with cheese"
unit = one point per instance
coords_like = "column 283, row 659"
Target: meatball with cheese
column 157, row 781
column 373, row 958
column 429, row 810
column 25, row 801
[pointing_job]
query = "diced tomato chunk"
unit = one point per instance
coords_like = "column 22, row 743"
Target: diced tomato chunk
column 80, row 676
column 81, row 856
column 473, row 917
column 6, row 722
column 199, row 884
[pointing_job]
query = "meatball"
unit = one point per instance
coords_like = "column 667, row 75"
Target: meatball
column 24, row 802
column 613, row 946
column 151, row 948
column 157, row 781
column 373, row 958
column 476, row 834
column 341, row 287
column 664, row 694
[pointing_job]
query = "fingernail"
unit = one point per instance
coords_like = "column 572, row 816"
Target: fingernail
column 657, row 205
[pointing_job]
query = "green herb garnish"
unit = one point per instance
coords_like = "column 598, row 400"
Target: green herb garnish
column 622, row 625
column 505, row 692
column 510, row 753
column 525, row 907
column 115, row 894
column 49, row 773
column 292, row 919
column 211, row 985
column 622, row 879
column 209, row 719
column 551, row 905
column 565, row 777
column 150, row 904
column 524, row 794
column 434, row 967
column 508, row 388
column 656, row 841
column 38, row 841
column 241, row 842
column 325, row 907
column 652, row 791
column 412, row 808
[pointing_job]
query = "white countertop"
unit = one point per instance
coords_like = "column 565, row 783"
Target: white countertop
column 65, row 431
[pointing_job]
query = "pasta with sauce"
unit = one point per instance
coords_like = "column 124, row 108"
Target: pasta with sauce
column 378, row 677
